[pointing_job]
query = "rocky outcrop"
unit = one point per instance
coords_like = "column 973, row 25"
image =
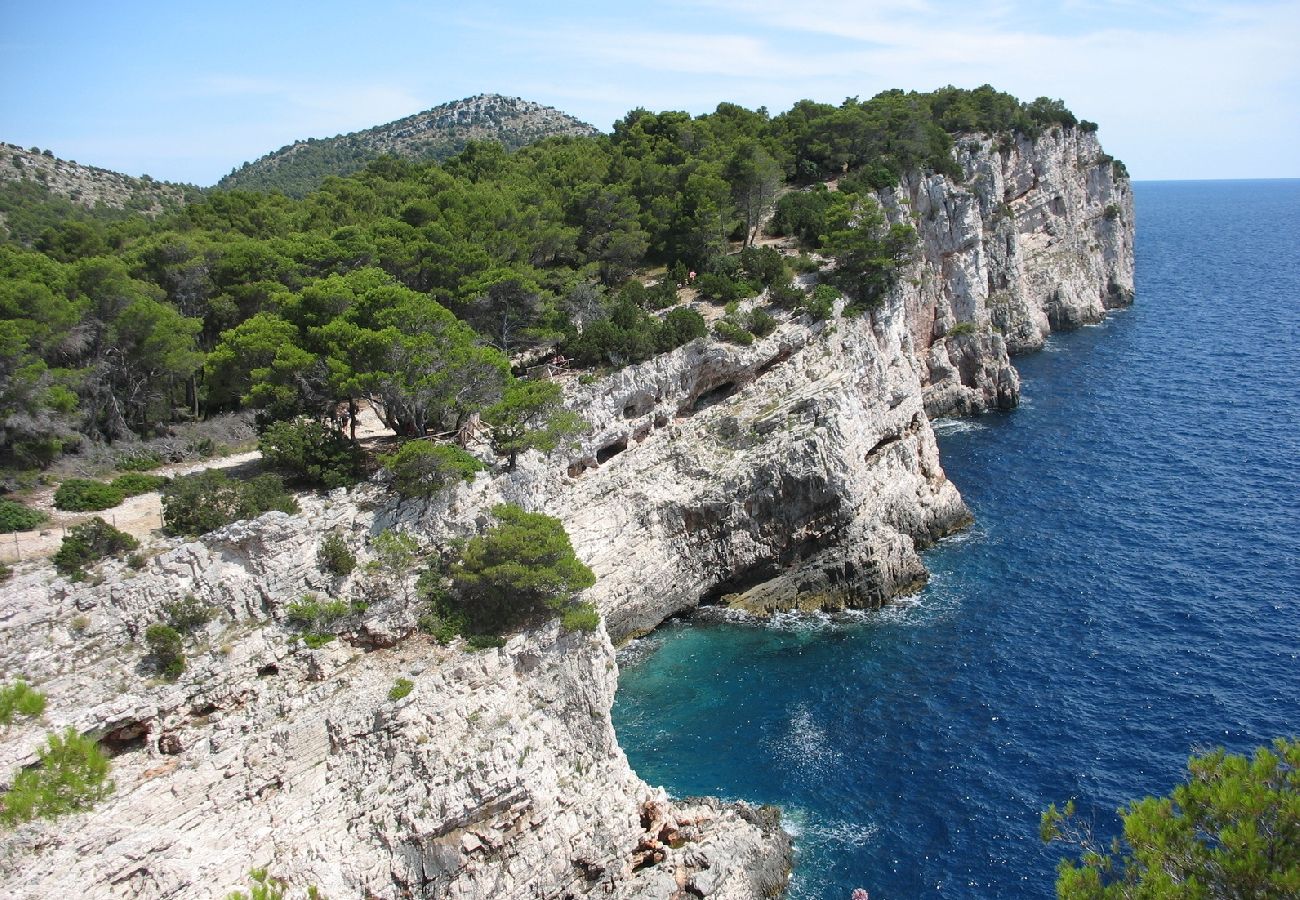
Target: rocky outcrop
column 1038, row 237
column 90, row 186
column 497, row 775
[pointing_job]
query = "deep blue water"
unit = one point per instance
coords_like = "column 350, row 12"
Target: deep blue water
column 1130, row 593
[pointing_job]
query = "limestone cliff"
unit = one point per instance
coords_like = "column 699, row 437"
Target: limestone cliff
column 799, row 472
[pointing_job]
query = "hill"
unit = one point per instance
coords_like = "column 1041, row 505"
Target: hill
column 37, row 190
column 434, row 134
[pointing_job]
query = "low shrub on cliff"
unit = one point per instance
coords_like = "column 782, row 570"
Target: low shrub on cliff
column 517, row 572
column 199, row 503
column 422, row 469
column 334, row 556
column 401, row 688
column 88, row 543
column 71, row 775
column 188, row 614
column 310, row 452
column 20, row 699
column 167, row 649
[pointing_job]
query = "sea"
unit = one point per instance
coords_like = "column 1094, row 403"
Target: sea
column 1128, row 594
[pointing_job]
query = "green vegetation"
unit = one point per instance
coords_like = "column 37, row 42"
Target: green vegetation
column 196, row 504
column 310, row 452
column 316, row 619
column 334, row 555
column 264, row 886
column 1232, row 829
column 520, row 570
column 16, row 517
column 422, row 469
column 530, row 417
column 188, row 614
column 409, row 285
column 87, row 543
column 961, row 328
column 71, row 775
column 581, row 616
column 20, row 699
column 166, row 648
column 86, row 495
column 401, row 687
column 135, row 483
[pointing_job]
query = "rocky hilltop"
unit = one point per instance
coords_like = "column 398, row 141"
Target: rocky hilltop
column 434, row 134
column 89, row 186
column 799, row 472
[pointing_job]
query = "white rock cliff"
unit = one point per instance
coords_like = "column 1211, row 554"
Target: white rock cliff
column 799, row 472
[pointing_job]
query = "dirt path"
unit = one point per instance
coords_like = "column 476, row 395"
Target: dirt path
column 139, row 516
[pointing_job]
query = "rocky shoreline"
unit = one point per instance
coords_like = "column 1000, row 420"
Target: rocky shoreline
column 797, row 473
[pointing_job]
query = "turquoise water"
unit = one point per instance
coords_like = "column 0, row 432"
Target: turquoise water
column 1130, row 592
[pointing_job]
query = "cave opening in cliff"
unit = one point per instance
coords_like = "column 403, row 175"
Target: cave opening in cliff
column 714, row 396
column 609, row 451
column 125, row 738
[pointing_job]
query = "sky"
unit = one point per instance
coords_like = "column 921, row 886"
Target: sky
column 189, row 91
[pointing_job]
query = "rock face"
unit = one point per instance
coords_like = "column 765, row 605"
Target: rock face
column 799, row 472
column 89, row 186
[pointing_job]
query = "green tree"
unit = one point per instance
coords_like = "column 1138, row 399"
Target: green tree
column 167, row 648
column 531, row 417
column 71, row 775
column 422, row 469
column 196, row 504
column 311, row 452
column 1231, row 830
column 522, row 568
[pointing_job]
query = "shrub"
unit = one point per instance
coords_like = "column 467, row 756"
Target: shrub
column 85, row 495
column 821, row 302
column 311, row 452
column 1111, row 212
column 580, row 617
column 787, row 296
column 485, row 641
column 199, row 503
column 136, row 483
column 730, row 330
column 141, row 461
column 334, row 556
column 6, row 572
column 71, row 775
column 189, row 614
column 401, row 687
column 961, row 328
column 721, row 289
column 88, row 543
column 19, row 699
column 517, row 571
column 315, row 619
column 680, row 327
column 167, row 649
column 16, row 517
column 422, row 469
column 761, row 323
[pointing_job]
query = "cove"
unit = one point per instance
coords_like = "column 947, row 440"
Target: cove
column 1130, row 592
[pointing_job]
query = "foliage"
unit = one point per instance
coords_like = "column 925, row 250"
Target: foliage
column 820, row 304
column 868, row 254
column 264, row 886
column 135, row 483
column 422, row 469
column 188, row 614
column 87, row 543
column 731, row 330
column 6, row 572
column 530, row 417
column 16, row 517
column 167, row 648
column 580, row 616
column 517, row 571
column 401, row 688
column 1232, row 829
column 71, row 775
column 961, row 328
column 310, row 452
column 335, row 556
column 196, row 504
column 86, row 495
column 20, row 699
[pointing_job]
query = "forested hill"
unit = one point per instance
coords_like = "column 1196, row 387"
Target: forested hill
column 412, row 285
column 435, row 134
column 37, row 190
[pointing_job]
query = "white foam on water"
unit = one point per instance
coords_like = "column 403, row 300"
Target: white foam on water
column 956, row 426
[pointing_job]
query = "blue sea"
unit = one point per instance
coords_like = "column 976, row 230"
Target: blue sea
column 1130, row 593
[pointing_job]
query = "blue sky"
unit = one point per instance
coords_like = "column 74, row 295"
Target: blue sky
column 187, row 92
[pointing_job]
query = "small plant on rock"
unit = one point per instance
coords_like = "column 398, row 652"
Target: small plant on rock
column 88, row 543
column 167, row 648
column 401, row 687
column 19, row 699
column 70, row 776
column 422, row 469
column 188, row 614
column 334, row 556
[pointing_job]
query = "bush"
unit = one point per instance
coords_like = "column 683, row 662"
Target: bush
column 315, row 619
column 729, row 330
column 721, row 289
column 188, row 615
column 1111, row 213
column 6, row 572
column 580, row 617
column 961, row 328
column 141, row 461
column 401, row 687
column 166, row 646
column 88, row 543
column 821, row 302
column 199, row 503
column 422, row 469
column 71, row 776
column 761, row 323
column 19, row 699
column 680, row 327
column 16, row 517
column 310, row 452
column 517, row 571
column 334, row 556
column 787, row 296
column 85, row 495
column 137, row 483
